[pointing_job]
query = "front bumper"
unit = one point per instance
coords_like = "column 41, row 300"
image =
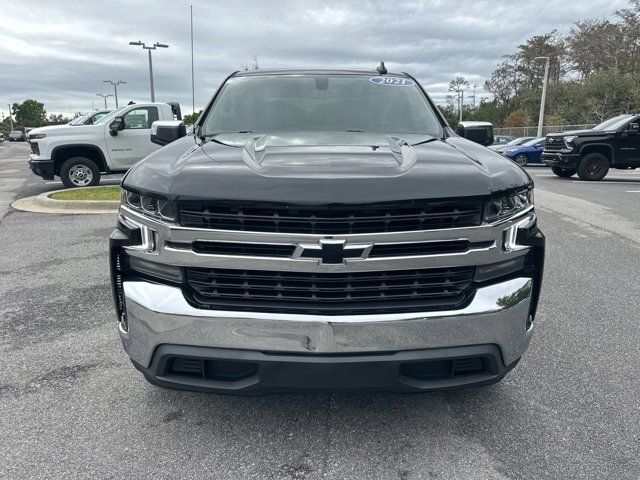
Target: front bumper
column 562, row 160
column 163, row 325
column 41, row 167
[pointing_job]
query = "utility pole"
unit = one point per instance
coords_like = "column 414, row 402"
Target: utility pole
column 153, row 47
column 10, row 117
column 105, row 97
column 461, row 104
column 115, row 87
column 544, row 93
column 193, row 87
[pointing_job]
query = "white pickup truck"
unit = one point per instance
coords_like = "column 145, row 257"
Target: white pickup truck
column 80, row 154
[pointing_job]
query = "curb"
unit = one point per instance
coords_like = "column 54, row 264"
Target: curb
column 44, row 204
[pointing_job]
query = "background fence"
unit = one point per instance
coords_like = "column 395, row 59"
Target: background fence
column 533, row 131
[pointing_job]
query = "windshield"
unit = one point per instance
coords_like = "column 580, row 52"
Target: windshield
column 533, row 142
column 277, row 104
column 520, row 141
column 613, row 123
column 110, row 116
column 80, row 119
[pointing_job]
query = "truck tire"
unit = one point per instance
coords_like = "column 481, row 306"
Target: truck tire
column 79, row 172
column 563, row 172
column 594, row 166
column 521, row 159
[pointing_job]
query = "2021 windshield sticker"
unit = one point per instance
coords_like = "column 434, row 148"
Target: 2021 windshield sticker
column 394, row 81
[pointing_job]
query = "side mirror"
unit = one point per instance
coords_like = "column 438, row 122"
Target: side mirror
column 634, row 127
column 164, row 132
column 478, row 132
column 116, row 126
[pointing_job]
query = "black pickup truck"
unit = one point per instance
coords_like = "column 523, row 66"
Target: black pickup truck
column 325, row 229
column 615, row 143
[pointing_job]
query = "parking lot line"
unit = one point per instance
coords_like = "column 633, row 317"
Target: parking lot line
column 601, row 182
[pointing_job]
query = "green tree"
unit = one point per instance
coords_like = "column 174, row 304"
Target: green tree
column 29, row 113
column 190, row 118
column 57, row 119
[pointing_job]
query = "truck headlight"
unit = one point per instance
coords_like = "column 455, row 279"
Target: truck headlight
column 569, row 140
column 34, row 136
column 153, row 206
column 508, row 206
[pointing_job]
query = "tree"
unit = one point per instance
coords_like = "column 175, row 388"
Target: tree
column 458, row 86
column 29, row 113
column 57, row 119
column 518, row 118
column 190, row 118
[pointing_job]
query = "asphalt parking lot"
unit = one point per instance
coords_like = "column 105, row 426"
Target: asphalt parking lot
column 72, row 406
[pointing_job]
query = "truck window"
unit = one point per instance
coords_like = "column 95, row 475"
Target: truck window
column 140, row 118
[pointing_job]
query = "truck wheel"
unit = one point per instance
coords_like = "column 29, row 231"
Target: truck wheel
column 79, row 172
column 521, row 159
column 593, row 166
column 563, row 172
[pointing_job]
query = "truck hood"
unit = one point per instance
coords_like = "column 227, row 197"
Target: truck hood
column 580, row 133
column 60, row 130
column 351, row 168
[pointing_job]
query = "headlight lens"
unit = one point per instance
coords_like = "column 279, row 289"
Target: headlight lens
column 505, row 207
column 568, row 140
column 157, row 207
column 34, row 136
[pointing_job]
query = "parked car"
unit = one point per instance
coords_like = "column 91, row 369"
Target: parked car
column 615, row 143
column 1, row 137
column 528, row 152
column 512, row 143
column 80, row 154
column 502, row 140
column 16, row 136
column 306, row 237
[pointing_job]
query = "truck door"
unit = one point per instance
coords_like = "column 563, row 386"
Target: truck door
column 627, row 144
column 134, row 142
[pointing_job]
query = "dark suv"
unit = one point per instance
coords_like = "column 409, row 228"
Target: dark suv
column 324, row 230
column 614, row 143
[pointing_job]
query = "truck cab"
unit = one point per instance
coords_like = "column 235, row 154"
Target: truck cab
column 80, row 154
column 615, row 143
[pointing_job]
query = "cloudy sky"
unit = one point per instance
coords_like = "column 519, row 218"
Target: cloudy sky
column 59, row 52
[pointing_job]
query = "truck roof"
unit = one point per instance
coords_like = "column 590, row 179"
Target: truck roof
column 315, row 71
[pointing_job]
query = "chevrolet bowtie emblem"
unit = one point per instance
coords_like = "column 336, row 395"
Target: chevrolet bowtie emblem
column 332, row 252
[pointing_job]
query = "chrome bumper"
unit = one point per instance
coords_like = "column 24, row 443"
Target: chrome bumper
column 159, row 314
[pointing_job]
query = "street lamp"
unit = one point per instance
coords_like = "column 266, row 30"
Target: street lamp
column 115, row 87
column 544, row 93
column 10, row 117
column 153, row 47
column 105, row 97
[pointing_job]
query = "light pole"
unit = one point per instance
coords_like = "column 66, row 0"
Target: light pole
column 105, row 97
column 544, row 93
column 115, row 87
column 10, row 117
column 153, row 47
column 193, row 87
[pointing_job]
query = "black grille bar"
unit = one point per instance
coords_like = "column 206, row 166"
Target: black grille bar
column 330, row 293
column 331, row 219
